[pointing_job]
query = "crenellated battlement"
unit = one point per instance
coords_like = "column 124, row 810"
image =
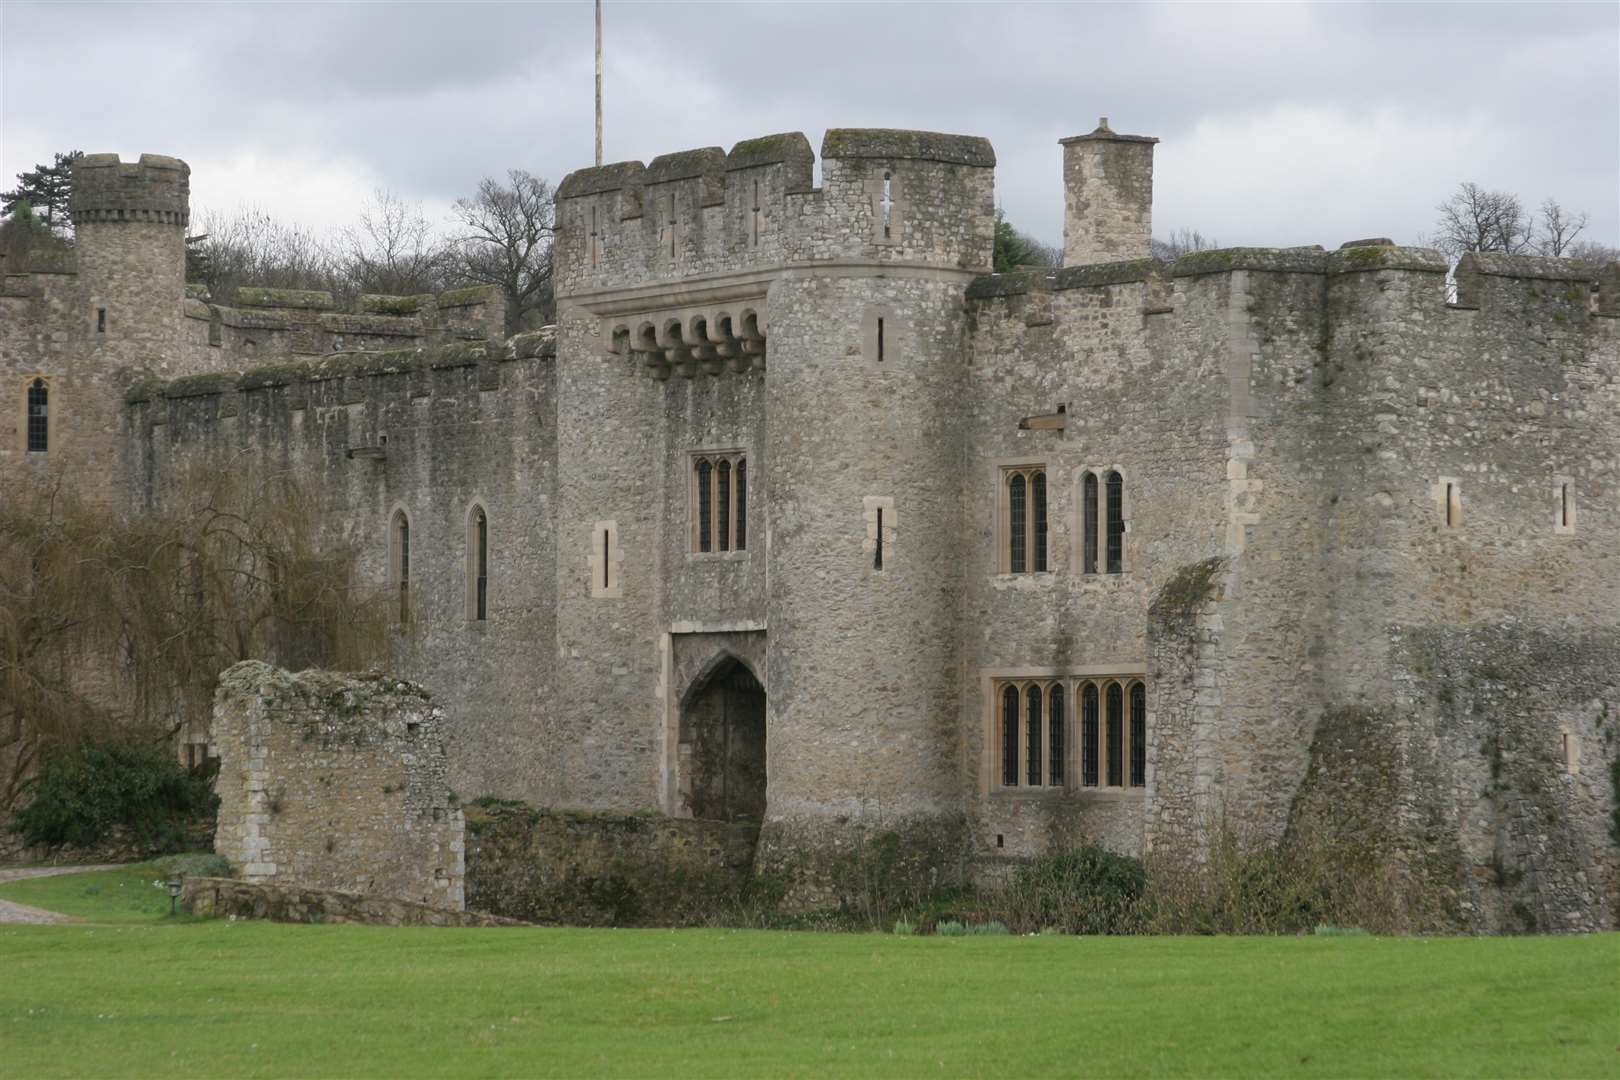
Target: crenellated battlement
column 886, row 195
column 353, row 370
column 156, row 189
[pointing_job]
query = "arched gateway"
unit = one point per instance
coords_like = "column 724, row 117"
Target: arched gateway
column 721, row 758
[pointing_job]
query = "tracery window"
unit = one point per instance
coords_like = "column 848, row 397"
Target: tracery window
column 1102, row 522
column 1023, row 515
column 39, row 417
column 1030, row 728
column 719, row 502
column 1113, row 732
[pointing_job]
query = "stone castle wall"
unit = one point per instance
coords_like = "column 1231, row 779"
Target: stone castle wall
column 1294, row 418
column 337, row 782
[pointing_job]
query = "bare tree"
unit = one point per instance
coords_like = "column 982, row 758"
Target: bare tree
column 250, row 247
column 1476, row 219
column 1559, row 228
column 1181, row 242
column 109, row 624
column 506, row 233
column 1593, row 254
column 393, row 250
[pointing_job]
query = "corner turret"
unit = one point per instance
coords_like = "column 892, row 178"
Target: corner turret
column 1107, row 197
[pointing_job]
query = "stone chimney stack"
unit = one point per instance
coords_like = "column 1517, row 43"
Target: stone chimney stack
column 1107, row 197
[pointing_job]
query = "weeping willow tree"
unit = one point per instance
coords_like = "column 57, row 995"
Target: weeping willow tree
column 115, row 627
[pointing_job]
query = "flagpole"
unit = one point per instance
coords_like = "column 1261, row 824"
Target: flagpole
column 598, row 82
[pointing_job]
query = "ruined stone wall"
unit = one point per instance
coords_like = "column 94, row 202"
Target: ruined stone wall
column 428, row 435
column 603, row 869
column 336, row 782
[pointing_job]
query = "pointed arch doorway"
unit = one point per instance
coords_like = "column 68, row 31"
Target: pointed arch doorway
column 722, row 745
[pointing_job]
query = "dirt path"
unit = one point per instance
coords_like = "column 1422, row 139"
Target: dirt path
column 22, row 913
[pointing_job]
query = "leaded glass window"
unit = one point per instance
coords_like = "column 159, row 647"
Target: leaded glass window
column 1055, row 772
column 1023, row 513
column 719, row 502
column 1138, row 735
column 1115, row 735
column 39, row 417
column 1116, row 523
column 1033, row 715
column 1009, row 737
column 1090, row 739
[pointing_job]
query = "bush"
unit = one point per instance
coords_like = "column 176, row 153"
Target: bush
column 904, row 929
column 950, row 928
column 1088, row 890
column 84, row 793
column 1254, row 885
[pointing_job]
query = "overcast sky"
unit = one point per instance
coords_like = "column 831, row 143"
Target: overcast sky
column 1279, row 124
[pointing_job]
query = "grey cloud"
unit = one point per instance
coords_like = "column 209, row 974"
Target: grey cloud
column 1258, row 105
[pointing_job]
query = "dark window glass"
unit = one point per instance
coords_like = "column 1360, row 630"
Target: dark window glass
column 1088, row 525
column 1015, row 515
column 1009, row 737
column 1138, row 735
column 1037, row 486
column 704, row 501
column 1116, row 523
column 39, row 417
column 1116, row 735
column 722, row 514
column 482, row 567
column 1054, row 737
column 1032, row 734
column 1088, row 735
column 742, row 504
column 402, row 528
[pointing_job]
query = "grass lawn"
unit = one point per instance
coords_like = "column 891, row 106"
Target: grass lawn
column 183, row 998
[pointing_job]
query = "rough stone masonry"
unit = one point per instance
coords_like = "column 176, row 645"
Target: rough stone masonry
column 336, row 782
column 802, row 513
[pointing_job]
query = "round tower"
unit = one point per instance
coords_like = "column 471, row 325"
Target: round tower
column 864, row 418
column 129, row 224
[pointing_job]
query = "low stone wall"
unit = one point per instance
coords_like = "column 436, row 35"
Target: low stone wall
column 228, row 898
column 597, row 869
column 336, row 782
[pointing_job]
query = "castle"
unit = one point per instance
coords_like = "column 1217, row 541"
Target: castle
column 802, row 514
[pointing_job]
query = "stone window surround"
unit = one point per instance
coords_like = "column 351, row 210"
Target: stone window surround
column 1078, row 553
column 54, row 404
column 1002, row 554
column 871, row 506
column 736, row 455
column 991, row 680
column 470, row 591
column 1448, row 489
column 395, row 514
column 1564, row 515
column 605, row 534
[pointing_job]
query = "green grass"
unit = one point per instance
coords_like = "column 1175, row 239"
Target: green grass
column 247, row 999
column 125, row 895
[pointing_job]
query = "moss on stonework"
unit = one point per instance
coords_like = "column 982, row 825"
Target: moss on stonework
column 1363, row 257
column 1177, row 603
column 252, row 296
column 478, row 294
column 273, row 375
column 200, row 385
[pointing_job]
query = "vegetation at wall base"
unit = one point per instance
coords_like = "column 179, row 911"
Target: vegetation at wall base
column 182, row 998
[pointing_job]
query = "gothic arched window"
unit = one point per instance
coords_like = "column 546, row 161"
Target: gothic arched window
column 477, row 564
column 1023, row 513
column 399, row 562
column 39, row 417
